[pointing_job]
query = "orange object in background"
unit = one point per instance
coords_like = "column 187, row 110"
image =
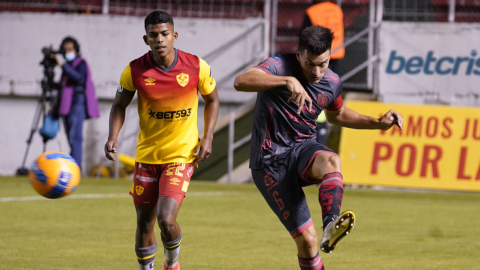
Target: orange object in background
column 329, row 15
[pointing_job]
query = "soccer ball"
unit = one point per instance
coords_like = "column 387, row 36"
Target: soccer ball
column 54, row 175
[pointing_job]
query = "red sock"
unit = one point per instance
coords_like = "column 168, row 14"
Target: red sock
column 314, row 263
column 330, row 196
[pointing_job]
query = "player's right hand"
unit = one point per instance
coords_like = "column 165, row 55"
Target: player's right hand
column 299, row 95
column 111, row 149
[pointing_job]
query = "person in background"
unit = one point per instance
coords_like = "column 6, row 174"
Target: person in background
column 329, row 15
column 78, row 100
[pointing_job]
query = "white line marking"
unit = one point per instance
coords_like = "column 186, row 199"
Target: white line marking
column 117, row 195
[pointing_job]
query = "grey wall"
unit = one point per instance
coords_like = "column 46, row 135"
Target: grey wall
column 108, row 43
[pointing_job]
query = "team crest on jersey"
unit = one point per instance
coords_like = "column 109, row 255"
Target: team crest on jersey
column 182, row 79
column 322, row 100
column 149, row 81
column 139, row 190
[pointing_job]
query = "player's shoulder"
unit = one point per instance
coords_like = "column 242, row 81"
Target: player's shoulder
column 332, row 78
column 188, row 58
column 140, row 60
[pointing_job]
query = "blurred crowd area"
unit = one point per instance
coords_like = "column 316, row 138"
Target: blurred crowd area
column 288, row 15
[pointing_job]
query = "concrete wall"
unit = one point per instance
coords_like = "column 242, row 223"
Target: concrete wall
column 108, row 43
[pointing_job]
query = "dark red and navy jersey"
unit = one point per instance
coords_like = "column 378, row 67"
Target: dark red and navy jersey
column 277, row 127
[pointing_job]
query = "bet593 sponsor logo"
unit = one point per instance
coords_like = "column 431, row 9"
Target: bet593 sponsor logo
column 431, row 64
column 170, row 115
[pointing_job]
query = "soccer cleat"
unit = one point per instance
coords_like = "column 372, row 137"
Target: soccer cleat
column 176, row 267
column 336, row 230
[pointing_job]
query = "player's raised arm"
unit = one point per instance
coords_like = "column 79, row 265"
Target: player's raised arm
column 257, row 80
column 346, row 117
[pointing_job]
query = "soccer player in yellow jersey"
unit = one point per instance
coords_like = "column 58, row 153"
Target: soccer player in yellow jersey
column 167, row 82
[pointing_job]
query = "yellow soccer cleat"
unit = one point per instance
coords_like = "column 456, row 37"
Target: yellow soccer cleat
column 336, row 230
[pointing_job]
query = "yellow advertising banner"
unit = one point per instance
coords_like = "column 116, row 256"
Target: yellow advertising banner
column 438, row 148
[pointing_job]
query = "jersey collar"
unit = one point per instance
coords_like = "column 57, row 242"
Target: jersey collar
column 160, row 67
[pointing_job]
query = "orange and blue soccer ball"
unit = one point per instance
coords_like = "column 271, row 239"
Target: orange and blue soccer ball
column 54, row 175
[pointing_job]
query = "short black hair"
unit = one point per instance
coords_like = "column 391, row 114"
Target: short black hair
column 157, row 17
column 69, row 39
column 316, row 39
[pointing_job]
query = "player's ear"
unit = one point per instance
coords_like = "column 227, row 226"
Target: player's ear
column 145, row 39
column 297, row 54
column 175, row 36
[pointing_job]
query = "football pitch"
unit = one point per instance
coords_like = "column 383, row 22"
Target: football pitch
column 231, row 227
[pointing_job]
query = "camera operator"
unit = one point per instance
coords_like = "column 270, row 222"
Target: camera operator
column 78, row 100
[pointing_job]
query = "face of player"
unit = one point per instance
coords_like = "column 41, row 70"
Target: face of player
column 314, row 66
column 160, row 38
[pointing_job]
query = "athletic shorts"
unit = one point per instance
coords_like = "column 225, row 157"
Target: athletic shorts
column 281, row 180
column 151, row 181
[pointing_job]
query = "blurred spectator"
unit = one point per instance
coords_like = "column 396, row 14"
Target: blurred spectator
column 69, row 6
column 78, row 100
column 329, row 15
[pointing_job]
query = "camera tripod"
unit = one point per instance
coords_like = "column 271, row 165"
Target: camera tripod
column 49, row 95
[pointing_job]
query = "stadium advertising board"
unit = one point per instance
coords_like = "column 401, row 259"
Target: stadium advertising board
column 430, row 63
column 438, row 148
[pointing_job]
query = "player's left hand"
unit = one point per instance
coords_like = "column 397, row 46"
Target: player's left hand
column 203, row 150
column 389, row 119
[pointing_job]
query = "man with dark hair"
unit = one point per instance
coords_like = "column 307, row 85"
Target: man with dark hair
column 292, row 91
column 167, row 81
column 329, row 15
column 78, row 100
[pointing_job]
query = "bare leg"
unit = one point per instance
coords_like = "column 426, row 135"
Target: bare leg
column 145, row 236
column 167, row 211
column 307, row 244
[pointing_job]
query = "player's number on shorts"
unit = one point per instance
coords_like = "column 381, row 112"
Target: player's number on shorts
column 177, row 168
column 278, row 200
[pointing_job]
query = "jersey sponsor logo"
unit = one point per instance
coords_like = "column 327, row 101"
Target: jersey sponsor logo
column 332, row 77
column 174, row 181
column 170, row 114
column 139, row 190
column 120, row 88
column 322, row 100
column 146, row 178
column 264, row 64
column 182, row 79
column 149, row 81
column 429, row 65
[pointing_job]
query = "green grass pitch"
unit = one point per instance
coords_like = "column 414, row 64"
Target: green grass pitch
column 231, row 227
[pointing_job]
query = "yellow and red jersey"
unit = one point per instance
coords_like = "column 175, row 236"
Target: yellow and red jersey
column 167, row 105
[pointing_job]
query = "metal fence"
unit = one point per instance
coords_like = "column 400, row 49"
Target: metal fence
column 177, row 8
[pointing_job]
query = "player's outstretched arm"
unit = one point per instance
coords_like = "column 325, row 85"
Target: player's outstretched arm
column 117, row 117
column 255, row 80
column 212, row 104
column 346, row 117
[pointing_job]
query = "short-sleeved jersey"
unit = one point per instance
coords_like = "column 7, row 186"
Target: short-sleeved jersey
column 277, row 126
column 167, row 105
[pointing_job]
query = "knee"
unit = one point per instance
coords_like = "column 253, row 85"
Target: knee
column 308, row 240
column 166, row 223
column 334, row 163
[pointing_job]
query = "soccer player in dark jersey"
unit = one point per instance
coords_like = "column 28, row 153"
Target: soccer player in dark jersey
column 292, row 91
column 167, row 81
